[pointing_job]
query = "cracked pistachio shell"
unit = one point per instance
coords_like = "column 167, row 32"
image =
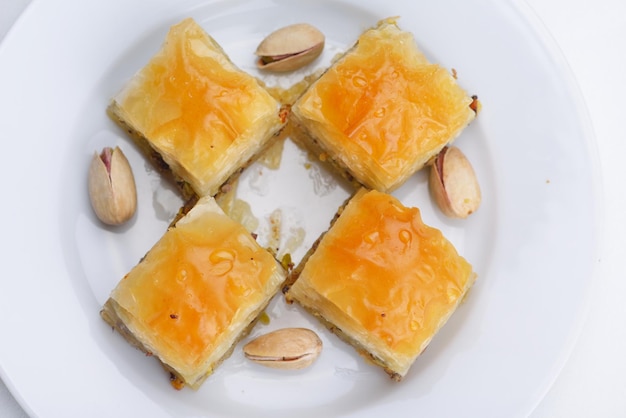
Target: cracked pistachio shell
column 112, row 189
column 453, row 184
column 286, row 348
column 290, row 48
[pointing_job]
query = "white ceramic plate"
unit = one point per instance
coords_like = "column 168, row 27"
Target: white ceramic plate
column 533, row 242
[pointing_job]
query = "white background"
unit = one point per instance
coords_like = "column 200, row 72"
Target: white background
column 592, row 37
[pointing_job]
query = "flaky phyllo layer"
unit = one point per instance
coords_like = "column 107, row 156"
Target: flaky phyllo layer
column 382, row 110
column 383, row 280
column 196, row 292
column 204, row 117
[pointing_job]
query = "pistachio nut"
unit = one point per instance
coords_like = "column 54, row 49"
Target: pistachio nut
column 112, row 189
column 453, row 184
column 286, row 348
column 290, row 48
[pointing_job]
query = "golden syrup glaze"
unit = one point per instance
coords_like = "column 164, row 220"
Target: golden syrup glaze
column 189, row 288
column 192, row 103
column 383, row 267
column 383, row 102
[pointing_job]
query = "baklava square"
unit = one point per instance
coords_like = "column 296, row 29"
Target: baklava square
column 195, row 294
column 382, row 110
column 194, row 112
column 382, row 280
